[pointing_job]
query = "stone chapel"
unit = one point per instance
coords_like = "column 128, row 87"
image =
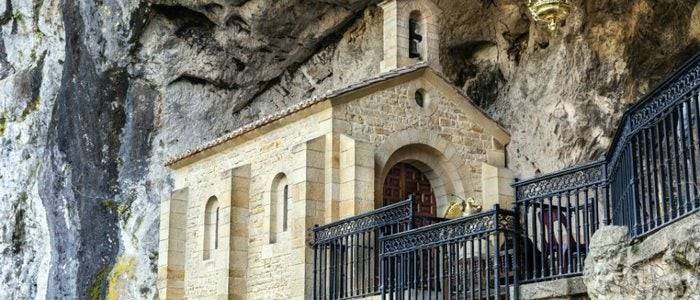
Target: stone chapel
column 236, row 223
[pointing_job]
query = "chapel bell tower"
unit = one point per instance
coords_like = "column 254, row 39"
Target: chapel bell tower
column 410, row 33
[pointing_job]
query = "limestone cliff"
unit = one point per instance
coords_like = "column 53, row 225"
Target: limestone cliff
column 94, row 95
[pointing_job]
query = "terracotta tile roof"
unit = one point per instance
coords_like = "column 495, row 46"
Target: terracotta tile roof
column 295, row 108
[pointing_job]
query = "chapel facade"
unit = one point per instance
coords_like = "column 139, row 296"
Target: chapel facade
column 236, row 225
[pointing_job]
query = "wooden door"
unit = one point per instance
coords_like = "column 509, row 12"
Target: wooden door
column 404, row 179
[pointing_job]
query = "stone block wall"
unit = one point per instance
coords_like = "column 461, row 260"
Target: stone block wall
column 240, row 176
column 446, row 134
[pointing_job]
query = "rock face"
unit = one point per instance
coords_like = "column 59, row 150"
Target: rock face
column 666, row 265
column 94, row 95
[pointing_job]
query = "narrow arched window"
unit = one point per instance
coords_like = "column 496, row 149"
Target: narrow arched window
column 285, row 198
column 216, row 229
column 280, row 205
column 211, row 227
column 415, row 35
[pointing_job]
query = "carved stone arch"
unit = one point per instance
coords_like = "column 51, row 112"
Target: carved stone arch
column 426, row 9
column 429, row 153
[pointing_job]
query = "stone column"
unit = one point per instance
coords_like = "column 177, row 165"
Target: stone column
column 332, row 177
column 308, row 180
column 236, row 221
column 356, row 177
column 171, row 258
column 495, row 186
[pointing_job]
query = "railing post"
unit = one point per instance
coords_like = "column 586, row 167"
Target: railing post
column 382, row 270
column 411, row 211
column 497, row 253
column 632, row 199
column 606, row 188
column 316, row 259
column 516, row 251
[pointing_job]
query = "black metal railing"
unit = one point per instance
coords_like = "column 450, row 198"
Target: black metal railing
column 559, row 213
column 646, row 180
column 653, row 163
column 346, row 252
column 467, row 258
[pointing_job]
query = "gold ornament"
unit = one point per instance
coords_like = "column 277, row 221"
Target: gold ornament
column 550, row 12
column 455, row 210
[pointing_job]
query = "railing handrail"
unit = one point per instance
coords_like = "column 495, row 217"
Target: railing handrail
column 488, row 225
column 441, row 224
column 593, row 173
column 362, row 215
column 571, row 169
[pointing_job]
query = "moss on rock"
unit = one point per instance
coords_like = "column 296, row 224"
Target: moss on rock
column 31, row 107
column 3, row 124
column 124, row 268
column 19, row 231
column 122, row 209
column 95, row 290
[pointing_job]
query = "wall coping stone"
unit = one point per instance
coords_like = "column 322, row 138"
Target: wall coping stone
column 565, row 288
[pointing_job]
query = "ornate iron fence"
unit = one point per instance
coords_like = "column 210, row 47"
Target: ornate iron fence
column 647, row 180
column 653, row 161
column 466, row 258
column 559, row 213
column 346, row 252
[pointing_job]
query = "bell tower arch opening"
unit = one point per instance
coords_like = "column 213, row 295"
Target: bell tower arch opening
column 415, row 35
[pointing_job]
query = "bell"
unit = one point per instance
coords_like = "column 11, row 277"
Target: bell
column 549, row 12
column 414, row 38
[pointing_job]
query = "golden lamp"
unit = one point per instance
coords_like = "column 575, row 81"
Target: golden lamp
column 549, row 12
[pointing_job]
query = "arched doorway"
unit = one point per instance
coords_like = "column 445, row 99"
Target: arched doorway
column 402, row 180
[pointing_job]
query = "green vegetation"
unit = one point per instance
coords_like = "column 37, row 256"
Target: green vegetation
column 125, row 266
column 635, row 248
column 18, row 16
column 110, row 276
column 31, row 107
column 18, row 233
column 95, row 290
column 110, row 204
column 122, row 209
column 3, row 124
